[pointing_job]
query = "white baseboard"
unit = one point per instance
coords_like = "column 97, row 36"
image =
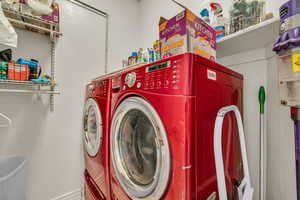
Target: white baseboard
column 74, row 195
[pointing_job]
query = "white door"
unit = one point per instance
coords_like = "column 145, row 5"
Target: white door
column 140, row 150
column 92, row 127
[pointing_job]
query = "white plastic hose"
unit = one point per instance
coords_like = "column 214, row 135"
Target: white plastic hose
column 245, row 189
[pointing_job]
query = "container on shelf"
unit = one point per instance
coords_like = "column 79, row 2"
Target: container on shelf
column 245, row 13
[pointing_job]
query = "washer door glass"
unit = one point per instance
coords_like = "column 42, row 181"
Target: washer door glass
column 139, row 148
column 138, row 145
column 92, row 127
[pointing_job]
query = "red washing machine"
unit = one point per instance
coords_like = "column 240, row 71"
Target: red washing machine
column 96, row 126
column 161, row 139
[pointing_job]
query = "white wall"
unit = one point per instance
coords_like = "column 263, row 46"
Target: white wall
column 259, row 69
column 52, row 141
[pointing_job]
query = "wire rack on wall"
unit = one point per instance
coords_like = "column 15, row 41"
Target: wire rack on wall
column 35, row 24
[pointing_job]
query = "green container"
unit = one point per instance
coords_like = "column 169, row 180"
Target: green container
column 3, row 70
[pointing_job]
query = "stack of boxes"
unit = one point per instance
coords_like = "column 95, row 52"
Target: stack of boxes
column 187, row 33
column 12, row 71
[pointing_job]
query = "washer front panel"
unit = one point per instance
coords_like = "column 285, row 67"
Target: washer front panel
column 92, row 127
column 140, row 150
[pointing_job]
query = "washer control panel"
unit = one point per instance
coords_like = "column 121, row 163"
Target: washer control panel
column 101, row 88
column 163, row 77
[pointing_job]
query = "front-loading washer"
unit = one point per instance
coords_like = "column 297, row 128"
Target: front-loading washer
column 161, row 137
column 96, row 124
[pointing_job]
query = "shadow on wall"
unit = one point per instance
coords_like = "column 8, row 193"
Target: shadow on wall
column 26, row 137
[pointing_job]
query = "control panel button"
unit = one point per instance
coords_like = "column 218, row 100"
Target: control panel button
column 166, row 83
column 158, row 83
column 130, row 79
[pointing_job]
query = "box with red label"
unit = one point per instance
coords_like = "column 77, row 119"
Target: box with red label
column 187, row 33
column 11, row 71
column 18, row 72
column 25, row 71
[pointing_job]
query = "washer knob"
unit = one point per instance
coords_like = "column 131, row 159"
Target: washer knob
column 130, row 79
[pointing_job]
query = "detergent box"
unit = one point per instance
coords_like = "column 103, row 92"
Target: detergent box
column 187, row 33
column 18, row 72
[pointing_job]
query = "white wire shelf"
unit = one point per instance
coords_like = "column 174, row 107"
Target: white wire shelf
column 29, row 87
column 32, row 91
column 253, row 37
column 24, row 83
column 32, row 23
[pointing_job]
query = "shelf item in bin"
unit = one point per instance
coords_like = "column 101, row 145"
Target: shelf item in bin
column 204, row 13
column 43, row 79
column 35, row 69
column 31, row 63
column 157, row 50
column 220, row 23
column 18, row 72
column 216, row 9
column 54, row 16
column 220, row 31
column 6, row 55
column 246, row 13
column 268, row 16
column 151, row 55
column 11, row 71
column 3, row 70
column 187, row 33
column 133, row 58
column 142, row 55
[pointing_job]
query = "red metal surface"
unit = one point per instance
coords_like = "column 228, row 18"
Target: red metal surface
column 187, row 96
column 97, row 169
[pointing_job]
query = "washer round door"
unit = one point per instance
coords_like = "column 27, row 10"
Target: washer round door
column 140, row 150
column 92, row 127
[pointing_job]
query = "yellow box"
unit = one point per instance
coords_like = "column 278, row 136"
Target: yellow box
column 296, row 62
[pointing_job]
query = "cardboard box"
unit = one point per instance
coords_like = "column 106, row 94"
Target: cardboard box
column 18, row 72
column 11, row 71
column 187, row 33
column 25, row 71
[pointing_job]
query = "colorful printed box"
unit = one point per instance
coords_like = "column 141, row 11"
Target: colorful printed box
column 187, row 33
column 18, row 72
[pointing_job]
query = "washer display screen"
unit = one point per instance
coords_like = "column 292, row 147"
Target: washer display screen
column 137, row 144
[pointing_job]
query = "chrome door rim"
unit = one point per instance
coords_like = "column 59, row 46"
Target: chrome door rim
column 92, row 151
column 156, row 189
